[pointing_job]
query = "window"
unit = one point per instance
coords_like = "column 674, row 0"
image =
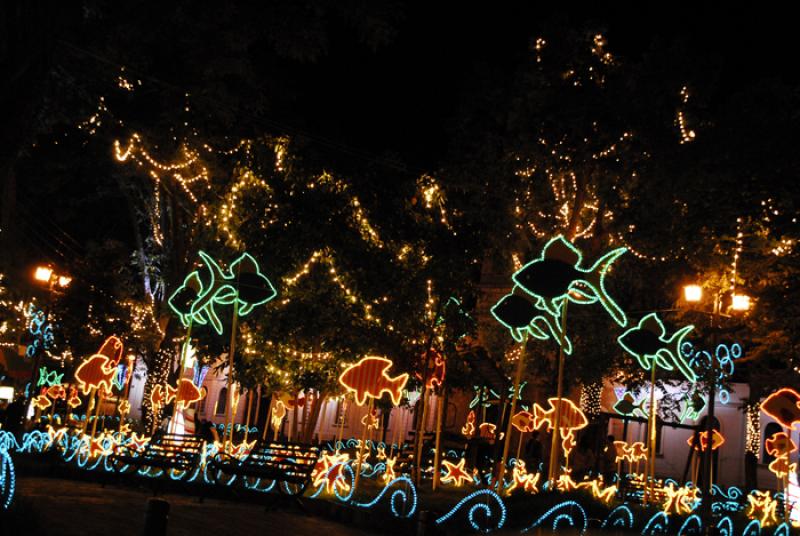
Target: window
column 222, row 402
column 769, row 430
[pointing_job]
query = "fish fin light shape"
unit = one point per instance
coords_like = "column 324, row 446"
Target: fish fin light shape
column 562, row 250
column 598, row 271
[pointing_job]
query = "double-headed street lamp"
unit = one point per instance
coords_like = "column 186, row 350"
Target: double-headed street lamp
column 56, row 283
column 45, row 274
column 740, row 303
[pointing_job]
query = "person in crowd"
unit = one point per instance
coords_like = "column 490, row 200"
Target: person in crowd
column 582, row 459
column 533, row 452
column 609, row 460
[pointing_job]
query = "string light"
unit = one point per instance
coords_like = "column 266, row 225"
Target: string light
column 326, row 257
column 752, row 441
column 687, row 135
column 590, row 398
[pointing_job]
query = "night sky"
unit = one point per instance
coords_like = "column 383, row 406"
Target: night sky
column 395, row 108
column 402, row 98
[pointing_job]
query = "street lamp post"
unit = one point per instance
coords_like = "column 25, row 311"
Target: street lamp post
column 739, row 302
column 55, row 284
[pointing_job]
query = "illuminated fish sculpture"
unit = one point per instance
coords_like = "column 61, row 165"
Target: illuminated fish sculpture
column 558, row 275
column 784, row 406
column 628, row 406
column 523, row 421
column 570, row 420
column 186, row 393
column 98, row 371
column 781, row 446
column 519, row 314
column 41, row 402
column 649, row 344
column 74, row 400
column 243, row 286
column 369, row 378
column 57, row 392
column 717, row 441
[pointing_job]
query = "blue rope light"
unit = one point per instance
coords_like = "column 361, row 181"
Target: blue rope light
column 687, row 529
column 8, row 479
column 781, row 530
column 620, row 519
column 483, row 507
column 8, row 441
column 571, row 508
column 397, row 495
column 725, row 526
column 655, row 524
column 752, row 529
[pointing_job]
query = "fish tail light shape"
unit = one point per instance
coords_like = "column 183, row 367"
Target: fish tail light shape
column 540, row 417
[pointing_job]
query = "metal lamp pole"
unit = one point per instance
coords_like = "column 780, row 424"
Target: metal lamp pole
column 708, row 452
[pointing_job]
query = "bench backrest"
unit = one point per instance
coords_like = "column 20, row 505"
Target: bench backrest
column 181, row 449
column 296, row 461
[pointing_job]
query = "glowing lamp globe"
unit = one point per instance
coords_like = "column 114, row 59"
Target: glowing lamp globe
column 693, row 293
column 740, row 302
column 43, row 273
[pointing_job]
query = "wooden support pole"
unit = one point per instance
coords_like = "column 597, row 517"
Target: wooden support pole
column 650, row 462
column 249, row 410
column 553, row 470
column 437, row 454
column 230, row 416
column 514, row 396
column 361, row 447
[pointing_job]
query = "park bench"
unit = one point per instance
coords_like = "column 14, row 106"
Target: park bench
column 176, row 452
column 634, row 490
column 290, row 464
column 405, row 457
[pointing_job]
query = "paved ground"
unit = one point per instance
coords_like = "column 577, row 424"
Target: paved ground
column 70, row 508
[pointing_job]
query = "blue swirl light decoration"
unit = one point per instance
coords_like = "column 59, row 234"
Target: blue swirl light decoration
column 347, row 471
column 725, row 526
column 483, row 507
column 692, row 525
column 733, row 493
column 752, row 529
column 567, row 512
column 399, row 498
column 657, row 524
column 725, row 355
column 620, row 517
column 8, row 479
column 782, row 530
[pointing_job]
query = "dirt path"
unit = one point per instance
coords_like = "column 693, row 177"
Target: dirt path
column 70, row 508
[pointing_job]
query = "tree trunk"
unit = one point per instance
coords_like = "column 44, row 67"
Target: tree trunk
column 313, row 416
